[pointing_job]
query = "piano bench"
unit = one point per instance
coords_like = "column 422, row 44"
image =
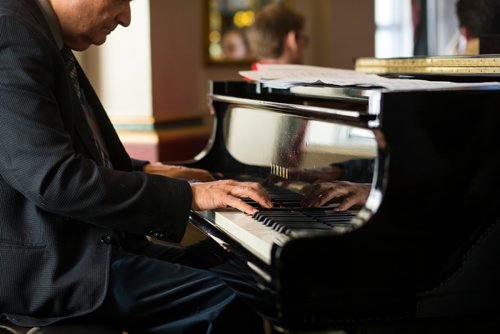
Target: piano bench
column 9, row 328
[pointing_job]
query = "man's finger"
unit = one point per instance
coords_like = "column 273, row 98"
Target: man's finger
column 237, row 203
column 346, row 204
column 256, row 193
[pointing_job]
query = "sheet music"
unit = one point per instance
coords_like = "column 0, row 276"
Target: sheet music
column 286, row 76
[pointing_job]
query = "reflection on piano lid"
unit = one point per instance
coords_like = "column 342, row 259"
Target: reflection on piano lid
column 432, row 158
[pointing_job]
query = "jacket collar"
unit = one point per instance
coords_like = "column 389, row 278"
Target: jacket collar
column 52, row 22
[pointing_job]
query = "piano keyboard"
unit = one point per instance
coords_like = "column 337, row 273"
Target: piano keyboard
column 258, row 233
column 281, row 198
column 286, row 221
column 255, row 237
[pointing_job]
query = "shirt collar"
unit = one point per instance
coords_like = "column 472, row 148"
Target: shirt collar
column 52, row 21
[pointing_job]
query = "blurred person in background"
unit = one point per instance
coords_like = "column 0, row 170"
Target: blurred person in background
column 277, row 36
column 234, row 45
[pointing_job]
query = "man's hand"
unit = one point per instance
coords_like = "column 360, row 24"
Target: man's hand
column 349, row 193
column 179, row 172
column 212, row 195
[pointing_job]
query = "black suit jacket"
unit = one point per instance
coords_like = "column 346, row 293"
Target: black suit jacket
column 56, row 202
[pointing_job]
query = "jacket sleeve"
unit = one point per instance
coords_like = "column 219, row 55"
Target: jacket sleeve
column 39, row 160
column 138, row 165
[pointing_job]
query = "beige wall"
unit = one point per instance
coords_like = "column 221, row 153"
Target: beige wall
column 340, row 30
column 153, row 72
column 120, row 70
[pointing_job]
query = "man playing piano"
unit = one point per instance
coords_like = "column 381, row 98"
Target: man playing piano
column 74, row 207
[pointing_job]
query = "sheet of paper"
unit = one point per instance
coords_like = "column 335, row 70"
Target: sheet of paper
column 286, row 76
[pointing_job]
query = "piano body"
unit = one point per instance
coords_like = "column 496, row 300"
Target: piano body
column 426, row 244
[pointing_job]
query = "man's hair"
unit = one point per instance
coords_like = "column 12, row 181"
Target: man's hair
column 267, row 33
column 479, row 17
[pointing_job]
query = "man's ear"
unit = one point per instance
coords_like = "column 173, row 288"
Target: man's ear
column 291, row 41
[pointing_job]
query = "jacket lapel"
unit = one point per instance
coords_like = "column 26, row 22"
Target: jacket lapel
column 83, row 128
column 117, row 153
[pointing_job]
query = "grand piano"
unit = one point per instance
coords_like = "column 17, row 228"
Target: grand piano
column 424, row 246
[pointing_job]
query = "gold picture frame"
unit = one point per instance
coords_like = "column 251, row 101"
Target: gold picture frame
column 226, row 21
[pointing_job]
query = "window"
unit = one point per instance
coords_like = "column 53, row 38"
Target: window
column 394, row 30
column 405, row 28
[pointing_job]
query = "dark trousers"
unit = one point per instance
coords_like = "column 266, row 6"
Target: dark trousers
column 169, row 289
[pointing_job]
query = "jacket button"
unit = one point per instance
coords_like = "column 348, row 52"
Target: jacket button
column 106, row 239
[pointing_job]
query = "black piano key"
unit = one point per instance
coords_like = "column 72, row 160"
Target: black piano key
column 280, row 197
column 265, row 219
column 328, row 213
column 277, row 223
column 294, row 219
column 268, row 221
column 278, row 204
column 286, row 228
column 283, row 228
column 288, row 213
column 283, row 214
column 287, row 204
column 290, row 231
column 332, row 225
column 284, row 217
column 334, row 219
column 272, row 222
column 305, row 229
column 259, row 215
column 328, row 216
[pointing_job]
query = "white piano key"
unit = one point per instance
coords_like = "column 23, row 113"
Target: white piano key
column 251, row 234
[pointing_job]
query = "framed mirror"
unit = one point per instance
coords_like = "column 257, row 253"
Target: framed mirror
column 224, row 29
